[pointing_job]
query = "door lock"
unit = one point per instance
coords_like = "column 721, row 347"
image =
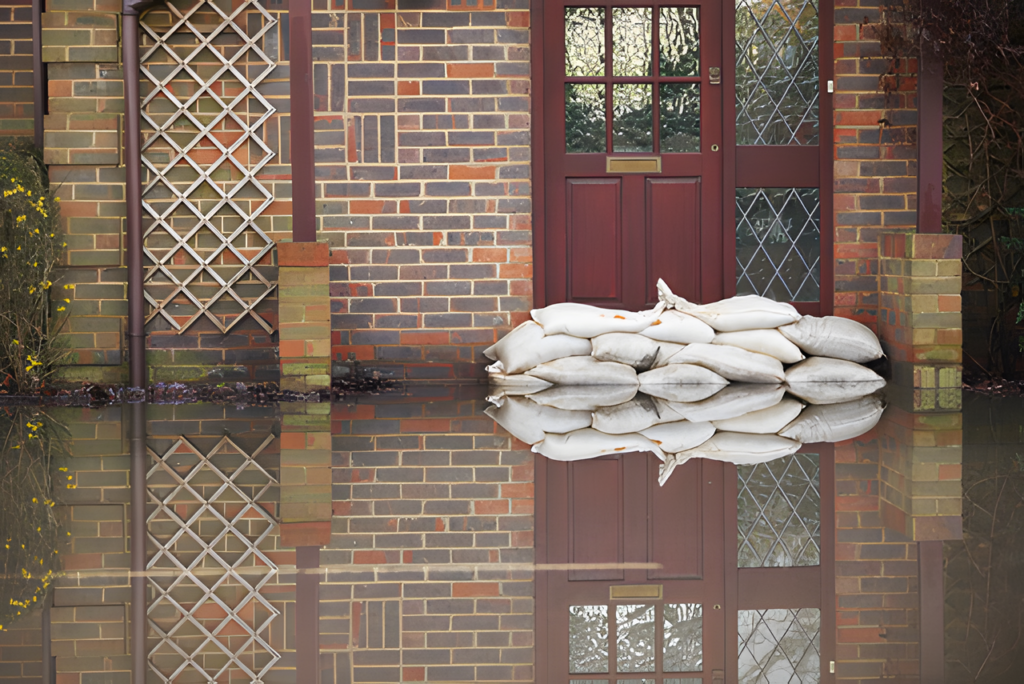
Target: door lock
column 714, row 75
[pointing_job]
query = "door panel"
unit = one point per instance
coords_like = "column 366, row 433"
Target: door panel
column 594, row 220
column 673, row 225
column 595, row 523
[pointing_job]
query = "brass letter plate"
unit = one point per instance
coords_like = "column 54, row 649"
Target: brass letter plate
column 634, row 591
column 632, row 165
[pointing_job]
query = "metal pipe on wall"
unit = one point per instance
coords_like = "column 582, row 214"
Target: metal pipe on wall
column 300, row 97
column 930, row 74
column 38, row 75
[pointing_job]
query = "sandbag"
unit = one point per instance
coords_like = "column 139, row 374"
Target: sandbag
column 635, row 415
column 747, row 312
column 769, row 342
column 743, row 449
column 527, row 346
column 835, row 422
column 682, row 393
column 679, row 435
column 584, row 397
column 516, row 385
column 835, row 337
column 678, row 327
column 585, row 370
column 672, row 461
column 732, row 363
column 634, row 350
column 820, row 369
column 732, row 401
column 591, row 443
column 528, row 421
column 824, row 393
column 766, row 421
column 583, row 320
column 681, row 374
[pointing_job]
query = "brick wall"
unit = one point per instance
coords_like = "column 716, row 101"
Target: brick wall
column 16, row 101
column 875, row 157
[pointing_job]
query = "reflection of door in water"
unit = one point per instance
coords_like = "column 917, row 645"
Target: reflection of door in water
column 631, row 177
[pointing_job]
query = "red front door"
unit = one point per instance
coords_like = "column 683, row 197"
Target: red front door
column 632, row 153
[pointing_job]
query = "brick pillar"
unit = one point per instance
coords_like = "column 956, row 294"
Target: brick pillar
column 919, row 318
column 305, row 474
column 305, row 315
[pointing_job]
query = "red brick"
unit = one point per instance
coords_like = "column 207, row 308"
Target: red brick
column 475, row 589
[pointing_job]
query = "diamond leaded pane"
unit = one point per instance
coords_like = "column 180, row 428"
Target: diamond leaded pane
column 776, row 72
column 779, row 645
column 778, row 243
column 779, row 513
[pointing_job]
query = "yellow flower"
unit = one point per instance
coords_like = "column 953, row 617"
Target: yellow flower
column 61, row 308
column 16, row 342
column 56, row 199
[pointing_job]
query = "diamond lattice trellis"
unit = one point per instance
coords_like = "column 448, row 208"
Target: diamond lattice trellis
column 776, row 72
column 779, row 646
column 779, row 513
column 203, row 149
column 207, row 566
column 778, row 243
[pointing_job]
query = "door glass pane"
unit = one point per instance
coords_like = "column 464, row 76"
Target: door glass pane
column 631, row 41
column 632, row 127
column 588, row 639
column 776, row 72
column 679, row 41
column 779, row 645
column 634, row 640
column 778, row 243
column 584, row 118
column 584, row 41
column 680, row 117
column 684, row 627
column 779, row 513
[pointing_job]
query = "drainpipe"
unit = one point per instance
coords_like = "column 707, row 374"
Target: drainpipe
column 130, row 12
column 300, row 96
column 38, row 77
column 929, row 132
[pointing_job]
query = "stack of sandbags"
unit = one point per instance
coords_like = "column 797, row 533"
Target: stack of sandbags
column 626, row 374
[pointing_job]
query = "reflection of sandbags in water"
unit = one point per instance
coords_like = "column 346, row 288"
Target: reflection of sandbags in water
column 831, row 381
column 675, row 326
column 732, row 401
column 764, row 422
column 633, row 350
column 769, row 342
column 681, row 374
column 747, row 312
column 732, row 363
column 527, row 346
column 633, row 416
column 835, row 422
column 583, row 320
column 835, row 337
column 584, row 397
column 824, row 393
column 528, row 421
column 591, row 443
column 516, row 385
column 585, row 370
column 679, row 435
column 743, row 449
column 682, row 393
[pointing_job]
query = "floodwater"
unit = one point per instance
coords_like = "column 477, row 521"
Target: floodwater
column 408, row 537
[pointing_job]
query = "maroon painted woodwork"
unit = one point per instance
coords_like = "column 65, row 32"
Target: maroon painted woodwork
column 594, row 221
column 300, row 97
column 594, row 494
column 672, row 212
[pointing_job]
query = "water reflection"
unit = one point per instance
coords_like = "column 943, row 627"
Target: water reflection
column 399, row 539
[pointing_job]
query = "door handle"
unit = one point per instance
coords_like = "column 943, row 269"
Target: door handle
column 714, row 75
column 717, row 677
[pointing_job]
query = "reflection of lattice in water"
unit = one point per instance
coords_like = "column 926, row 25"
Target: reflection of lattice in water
column 202, row 116
column 779, row 512
column 207, row 567
column 779, row 645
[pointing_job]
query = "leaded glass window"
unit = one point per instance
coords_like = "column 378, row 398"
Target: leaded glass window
column 779, row 645
column 634, row 638
column 779, row 513
column 778, row 243
column 588, row 639
column 684, row 633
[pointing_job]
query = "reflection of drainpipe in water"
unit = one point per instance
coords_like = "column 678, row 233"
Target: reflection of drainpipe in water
column 137, row 489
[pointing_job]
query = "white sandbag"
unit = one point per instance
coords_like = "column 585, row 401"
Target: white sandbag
column 732, row 363
column 516, row 385
column 527, row 346
column 679, row 435
column 528, row 421
column 584, row 397
column 591, row 443
column 835, row 422
column 672, row 461
column 681, row 374
column 635, row 415
column 585, row 370
column 835, row 337
column 825, row 393
column 583, row 320
column 682, row 393
column 747, row 312
column 634, row 350
column 820, row 369
column 676, row 326
column 743, row 449
column 731, row 402
column 769, row 342
column 764, row 422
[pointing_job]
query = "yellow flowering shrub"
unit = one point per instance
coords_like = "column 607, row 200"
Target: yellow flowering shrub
column 32, row 308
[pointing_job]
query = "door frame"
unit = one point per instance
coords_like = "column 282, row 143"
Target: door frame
column 726, row 248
